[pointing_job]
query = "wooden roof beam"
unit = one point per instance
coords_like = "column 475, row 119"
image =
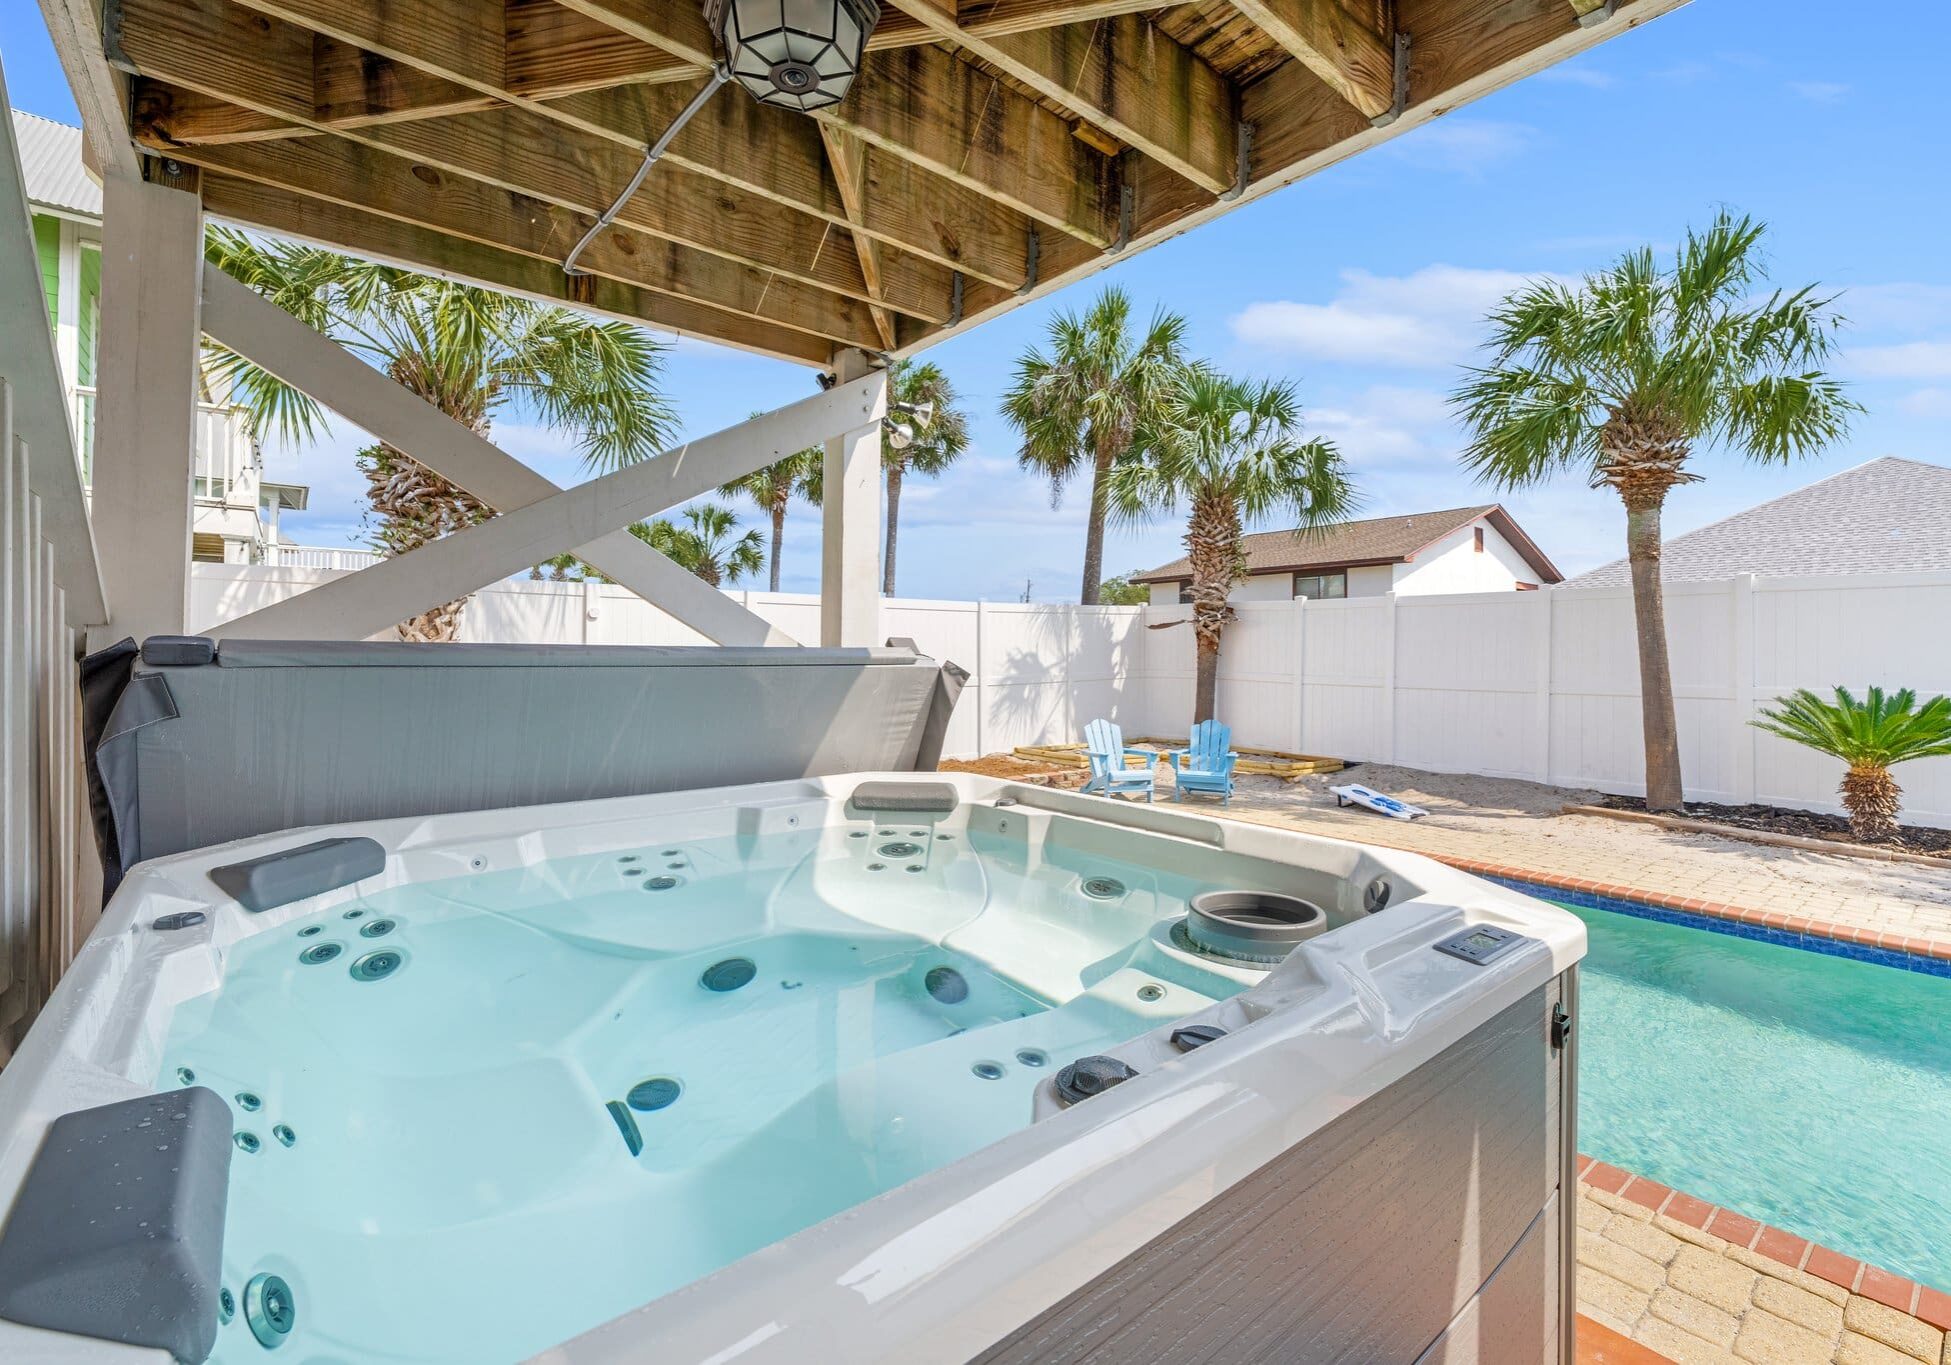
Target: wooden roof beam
column 1341, row 49
column 416, row 248
column 335, row 171
column 933, row 109
column 1122, row 75
column 847, row 158
column 258, row 65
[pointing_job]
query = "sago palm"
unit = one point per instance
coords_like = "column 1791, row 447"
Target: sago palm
column 706, row 540
column 772, row 490
column 1624, row 375
column 1079, row 403
column 470, row 352
column 1230, row 451
column 935, row 445
column 1871, row 736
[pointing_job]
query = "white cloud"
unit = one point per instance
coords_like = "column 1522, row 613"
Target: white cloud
column 1821, row 92
column 1462, row 146
column 1905, row 308
column 1907, row 360
column 1569, row 74
column 1429, row 319
column 1927, row 403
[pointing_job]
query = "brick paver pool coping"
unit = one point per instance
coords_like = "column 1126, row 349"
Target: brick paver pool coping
column 1887, row 949
column 1798, row 1253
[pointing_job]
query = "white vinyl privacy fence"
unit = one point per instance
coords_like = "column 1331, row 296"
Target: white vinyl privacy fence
column 1536, row 685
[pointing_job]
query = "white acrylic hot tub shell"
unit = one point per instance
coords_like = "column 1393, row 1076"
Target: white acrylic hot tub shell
column 944, row 1266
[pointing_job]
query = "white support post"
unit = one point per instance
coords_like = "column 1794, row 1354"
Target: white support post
column 145, row 441
column 850, row 513
column 375, row 598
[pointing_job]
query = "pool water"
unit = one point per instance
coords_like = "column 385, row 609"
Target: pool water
column 1809, row 1091
column 477, row 1116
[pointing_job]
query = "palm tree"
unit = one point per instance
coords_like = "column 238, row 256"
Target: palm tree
column 707, row 543
column 1622, row 376
column 1079, row 405
column 773, row 488
column 914, row 390
column 469, row 352
column 1871, row 736
column 1230, row 450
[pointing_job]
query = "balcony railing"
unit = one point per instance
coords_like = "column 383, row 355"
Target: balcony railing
column 226, row 456
column 318, row 557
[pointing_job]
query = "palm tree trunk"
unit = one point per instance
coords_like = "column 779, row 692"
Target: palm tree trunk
column 1094, row 528
column 894, row 472
column 1872, row 798
column 1212, row 546
column 778, row 539
column 1658, row 726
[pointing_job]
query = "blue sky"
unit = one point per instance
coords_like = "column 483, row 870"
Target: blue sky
column 1365, row 285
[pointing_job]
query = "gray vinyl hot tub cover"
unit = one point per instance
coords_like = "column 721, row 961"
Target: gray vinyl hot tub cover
column 196, row 745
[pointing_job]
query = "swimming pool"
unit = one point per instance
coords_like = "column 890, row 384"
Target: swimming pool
column 1809, row 1091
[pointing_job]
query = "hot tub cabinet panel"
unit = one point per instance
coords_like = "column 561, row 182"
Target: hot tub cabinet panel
column 1420, row 1226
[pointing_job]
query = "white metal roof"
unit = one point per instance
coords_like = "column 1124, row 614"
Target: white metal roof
column 50, row 158
column 1888, row 516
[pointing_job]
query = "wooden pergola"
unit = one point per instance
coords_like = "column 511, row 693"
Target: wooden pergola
column 990, row 150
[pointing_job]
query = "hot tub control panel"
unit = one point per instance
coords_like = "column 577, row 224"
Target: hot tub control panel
column 1481, row 943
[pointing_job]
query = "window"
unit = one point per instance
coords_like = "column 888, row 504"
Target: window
column 1319, row 585
column 1185, row 593
column 1480, row 540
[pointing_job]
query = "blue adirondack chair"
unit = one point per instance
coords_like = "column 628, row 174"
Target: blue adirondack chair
column 1207, row 764
column 1104, row 745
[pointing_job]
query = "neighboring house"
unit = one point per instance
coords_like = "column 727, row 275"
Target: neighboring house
column 1466, row 549
column 235, row 520
column 1887, row 516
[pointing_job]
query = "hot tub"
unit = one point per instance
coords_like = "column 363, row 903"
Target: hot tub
column 876, row 1067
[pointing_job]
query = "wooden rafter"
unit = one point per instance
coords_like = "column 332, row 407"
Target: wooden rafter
column 358, row 177
column 944, row 115
column 1121, row 74
column 990, row 150
column 847, row 159
column 386, row 239
column 1339, row 47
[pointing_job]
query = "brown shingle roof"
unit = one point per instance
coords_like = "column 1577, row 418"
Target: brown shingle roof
column 1379, row 540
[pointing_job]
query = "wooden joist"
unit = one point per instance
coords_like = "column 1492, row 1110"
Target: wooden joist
column 384, row 239
column 989, row 152
column 1122, row 75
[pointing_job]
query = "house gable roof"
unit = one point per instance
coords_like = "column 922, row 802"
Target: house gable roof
column 1379, row 540
column 1888, row 516
column 50, row 163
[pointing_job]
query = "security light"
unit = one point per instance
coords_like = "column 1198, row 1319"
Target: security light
column 796, row 54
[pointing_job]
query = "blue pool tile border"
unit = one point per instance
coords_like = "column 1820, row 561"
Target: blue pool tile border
column 1786, row 938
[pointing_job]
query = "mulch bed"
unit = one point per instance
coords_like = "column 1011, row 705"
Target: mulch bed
column 1806, row 824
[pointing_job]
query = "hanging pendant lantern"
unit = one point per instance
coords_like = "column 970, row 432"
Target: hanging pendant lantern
column 796, row 54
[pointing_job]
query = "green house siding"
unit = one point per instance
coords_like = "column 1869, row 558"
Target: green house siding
column 47, row 245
